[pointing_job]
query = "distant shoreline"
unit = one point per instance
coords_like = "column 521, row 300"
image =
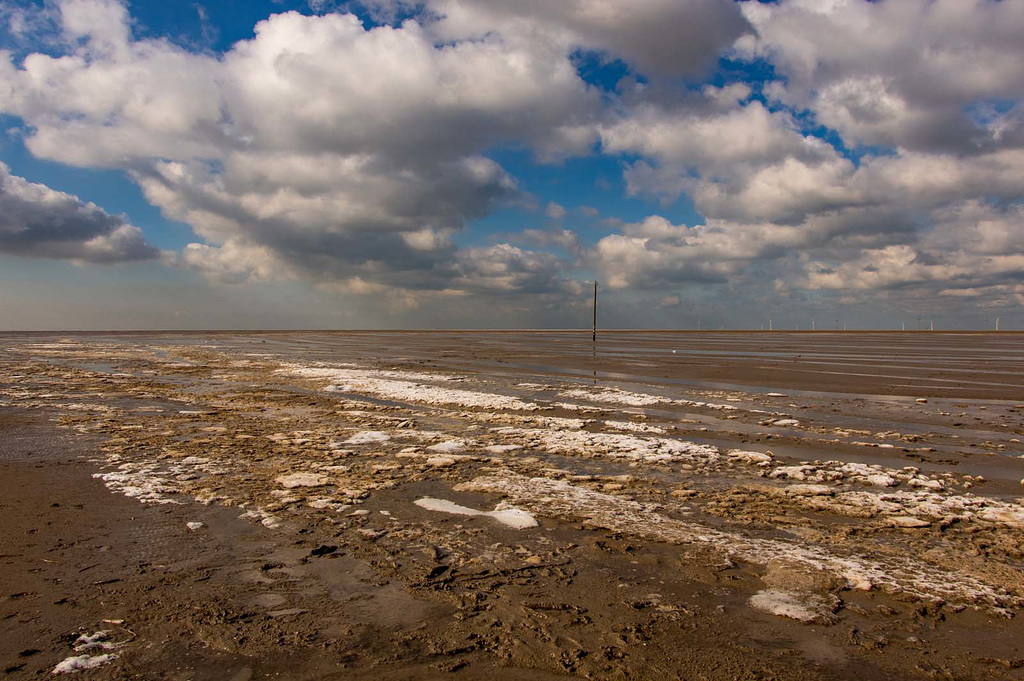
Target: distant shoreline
column 500, row 331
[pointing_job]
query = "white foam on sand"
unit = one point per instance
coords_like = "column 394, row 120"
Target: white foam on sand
column 515, row 518
column 408, row 386
column 533, row 420
column 142, row 481
column 634, row 427
column 931, row 506
column 570, row 406
column 152, row 482
column 895, row 574
column 88, row 643
column 99, row 640
column 615, row 396
column 367, row 437
column 632, row 399
column 77, row 663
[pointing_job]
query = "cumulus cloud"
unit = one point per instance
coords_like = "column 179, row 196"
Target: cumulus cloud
column 39, row 222
column 706, row 143
column 895, row 73
column 284, row 151
column 657, row 37
column 924, row 88
column 510, row 269
column 971, row 249
column 655, row 253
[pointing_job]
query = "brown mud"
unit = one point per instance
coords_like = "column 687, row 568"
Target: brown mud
column 699, row 505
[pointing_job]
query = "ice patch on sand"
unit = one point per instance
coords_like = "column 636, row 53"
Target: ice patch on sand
column 267, row 520
column 293, row 480
column 612, row 445
column 502, row 449
column 450, row 446
column 800, row 606
column 324, row 504
column 406, row 386
column 367, row 437
column 757, row 458
column 506, row 515
column 868, row 475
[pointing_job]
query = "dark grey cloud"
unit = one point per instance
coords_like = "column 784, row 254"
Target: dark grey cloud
column 657, row 37
column 39, row 222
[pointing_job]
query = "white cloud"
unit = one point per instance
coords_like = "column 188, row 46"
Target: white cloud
column 284, row 148
column 510, row 269
column 918, row 214
column 710, row 138
column 895, row 73
column 555, row 211
column 232, row 263
column 657, row 37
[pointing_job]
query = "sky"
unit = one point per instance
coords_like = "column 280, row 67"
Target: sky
column 479, row 163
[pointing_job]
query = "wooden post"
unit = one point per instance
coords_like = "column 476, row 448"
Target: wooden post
column 594, row 338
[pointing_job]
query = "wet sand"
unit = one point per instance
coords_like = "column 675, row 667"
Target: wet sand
column 703, row 505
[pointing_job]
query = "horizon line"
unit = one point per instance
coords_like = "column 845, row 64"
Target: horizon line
column 503, row 330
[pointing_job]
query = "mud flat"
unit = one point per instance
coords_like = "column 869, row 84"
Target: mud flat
column 512, row 505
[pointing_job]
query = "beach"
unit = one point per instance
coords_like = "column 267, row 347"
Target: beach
column 512, row 505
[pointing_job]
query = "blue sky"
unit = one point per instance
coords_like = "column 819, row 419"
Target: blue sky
column 471, row 163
